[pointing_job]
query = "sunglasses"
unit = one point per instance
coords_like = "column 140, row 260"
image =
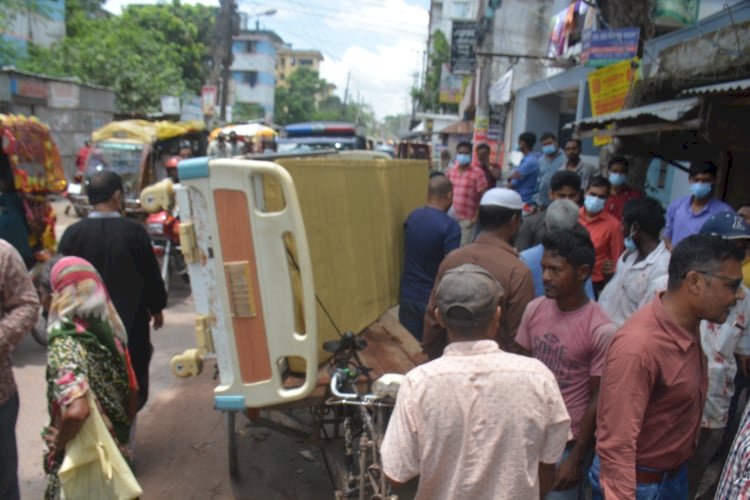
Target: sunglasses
column 734, row 284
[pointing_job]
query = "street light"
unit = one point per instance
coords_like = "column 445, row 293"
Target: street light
column 258, row 15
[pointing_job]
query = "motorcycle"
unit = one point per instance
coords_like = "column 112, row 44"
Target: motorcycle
column 164, row 229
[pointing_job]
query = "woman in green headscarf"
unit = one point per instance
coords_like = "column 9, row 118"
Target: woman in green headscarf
column 87, row 352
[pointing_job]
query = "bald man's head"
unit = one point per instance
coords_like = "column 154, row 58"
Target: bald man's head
column 440, row 192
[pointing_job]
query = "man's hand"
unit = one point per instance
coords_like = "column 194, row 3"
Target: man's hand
column 158, row 320
column 743, row 363
column 568, row 475
column 608, row 267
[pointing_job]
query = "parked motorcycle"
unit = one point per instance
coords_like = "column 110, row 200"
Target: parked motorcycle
column 164, row 229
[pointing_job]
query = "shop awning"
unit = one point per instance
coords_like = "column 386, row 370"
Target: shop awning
column 679, row 114
column 741, row 87
column 460, row 127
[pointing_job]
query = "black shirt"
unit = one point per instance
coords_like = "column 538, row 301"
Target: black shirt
column 120, row 249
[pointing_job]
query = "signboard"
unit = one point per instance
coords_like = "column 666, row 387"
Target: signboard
column 170, row 105
column 63, row 95
column 604, row 47
column 191, row 108
column 452, row 86
column 609, row 87
column 25, row 87
column 208, row 99
column 676, row 13
column 496, row 132
column 463, row 40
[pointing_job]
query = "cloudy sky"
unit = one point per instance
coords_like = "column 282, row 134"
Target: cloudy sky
column 379, row 42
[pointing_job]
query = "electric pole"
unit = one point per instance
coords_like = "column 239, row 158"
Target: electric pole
column 231, row 18
column 484, row 69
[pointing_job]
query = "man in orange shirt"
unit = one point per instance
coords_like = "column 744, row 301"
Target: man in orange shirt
column 605, row 231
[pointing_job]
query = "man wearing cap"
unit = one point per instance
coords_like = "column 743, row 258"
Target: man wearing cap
column 499, row 219
column 724, row 345
column 569, row 333
column 120, row 249
column 478, row 422
column 653, row 388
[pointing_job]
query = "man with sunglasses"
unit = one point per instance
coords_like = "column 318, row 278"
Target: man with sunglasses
column 655, row 379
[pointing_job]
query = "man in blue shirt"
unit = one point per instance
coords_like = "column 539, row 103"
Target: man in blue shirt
column 524, row 177
column 430, row 234
column 686, row 215
column 552, row 160
column 562, row 215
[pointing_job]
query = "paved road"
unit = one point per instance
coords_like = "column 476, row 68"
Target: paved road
column 181, row 441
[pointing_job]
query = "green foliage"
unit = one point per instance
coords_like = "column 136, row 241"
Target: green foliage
column 429, row 97
column 246, row 111
column 8, row 11
column 148, row 52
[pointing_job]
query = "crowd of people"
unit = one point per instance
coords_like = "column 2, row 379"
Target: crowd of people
column 638, row 315
column 104, row 292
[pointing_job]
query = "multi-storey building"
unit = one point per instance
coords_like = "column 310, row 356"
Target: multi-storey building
column 254, row 68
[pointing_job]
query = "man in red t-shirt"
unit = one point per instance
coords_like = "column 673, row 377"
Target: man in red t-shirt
column 605, row 231
column 469, row 183
column 620, row 192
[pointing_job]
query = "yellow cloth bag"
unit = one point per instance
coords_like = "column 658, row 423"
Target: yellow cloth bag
column 93, row 466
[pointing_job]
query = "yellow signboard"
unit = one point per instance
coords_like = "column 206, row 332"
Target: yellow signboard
column 609, row 87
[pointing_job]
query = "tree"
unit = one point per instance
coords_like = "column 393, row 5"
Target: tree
column 246, row 111
column 9, row 9
column 429, row 97
column 136, row 63
column 295, row 101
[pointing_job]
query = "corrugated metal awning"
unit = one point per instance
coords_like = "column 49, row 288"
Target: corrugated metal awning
column 658, row 117
column 460, row 127
column 737, row 86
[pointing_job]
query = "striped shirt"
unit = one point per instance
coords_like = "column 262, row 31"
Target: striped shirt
column 735, row 478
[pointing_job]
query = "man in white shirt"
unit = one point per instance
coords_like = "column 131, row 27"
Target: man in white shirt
column 646, row 258
column 477, row 422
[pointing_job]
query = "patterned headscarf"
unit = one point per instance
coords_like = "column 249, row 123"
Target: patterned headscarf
column 81, row 306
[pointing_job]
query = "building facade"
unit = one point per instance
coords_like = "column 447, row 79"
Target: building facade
column 254, row 69
column 289, row 59
column 44, row 25
column 70, row 109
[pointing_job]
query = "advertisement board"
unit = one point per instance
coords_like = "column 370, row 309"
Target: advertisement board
column 609, row 87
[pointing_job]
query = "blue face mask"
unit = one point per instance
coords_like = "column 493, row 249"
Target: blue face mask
column 549, row 149
column 463, row 158
column 701, row 189
column 630, row 245
column 617, row 179
column 593, row 204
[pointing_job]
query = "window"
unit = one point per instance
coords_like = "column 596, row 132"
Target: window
column 245, row 77
column 460, row 9
column 305, row 62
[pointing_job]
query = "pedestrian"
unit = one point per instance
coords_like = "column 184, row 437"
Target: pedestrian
column 734, row 481
column 19, row 310
column 655, row 378
column 82, row 156
column 478, row 423
column 552, row 160
column 14, row 227
column 725, row 346
column 499, row 218
column 645, row 259
column 562, row 215
column 576, row 164
column 469, row 183
column 429, row 235
column 564, row 185
column 605, row 231
column 524, row 177
column 86, row 353
column 620, row 192
column 686, row 215
column 491, row 171
column 570, row 334
column 235, row 148
column 744, row 212
column 219, row 148
column 120, row 250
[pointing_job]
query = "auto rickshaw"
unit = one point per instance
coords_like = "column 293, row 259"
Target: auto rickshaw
column 138, row 151
column 30, row 158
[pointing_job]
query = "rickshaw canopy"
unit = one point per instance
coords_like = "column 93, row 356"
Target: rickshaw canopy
column 146, row 131
column 245, row 130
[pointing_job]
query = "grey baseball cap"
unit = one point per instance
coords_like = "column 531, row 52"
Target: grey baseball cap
column 467, row 296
